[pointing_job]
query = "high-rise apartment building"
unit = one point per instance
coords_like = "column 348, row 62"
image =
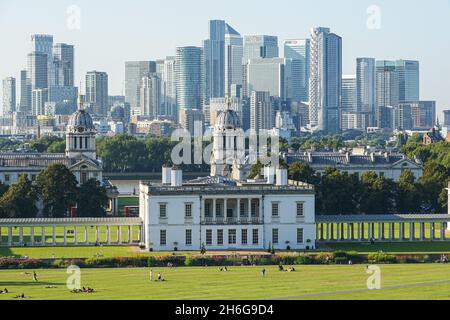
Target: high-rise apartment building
column 37, row 70
column 387, row 89
column 189, row 64
column 150, row 95
column 134, row 72
column 43, row 44
column 63, row 65
column 97, row 91
column 166, row 71
column 298, row 50
column 9, row 96
column 39, row 97
column 349, row 114
column 25, row 93
column 365, row 92
column 325, row 80
column 262, row 114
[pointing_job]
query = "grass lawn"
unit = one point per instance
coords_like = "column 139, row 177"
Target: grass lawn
column 403, row 247
column 309, row 282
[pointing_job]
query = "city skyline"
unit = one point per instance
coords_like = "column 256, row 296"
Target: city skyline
column 117, row 46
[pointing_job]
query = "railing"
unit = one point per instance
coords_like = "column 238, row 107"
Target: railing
column 231, row 221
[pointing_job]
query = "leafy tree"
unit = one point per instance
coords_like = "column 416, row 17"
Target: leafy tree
column 255, row 170
column 3, row 188
column 92, row 199
column 433, row 183
column 302, row 172
column 19, row 201
column 378, row 194
column 43, row 144
column 409, row 196
column 58, row 188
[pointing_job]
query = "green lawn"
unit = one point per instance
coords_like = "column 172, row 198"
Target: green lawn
column 309, row 282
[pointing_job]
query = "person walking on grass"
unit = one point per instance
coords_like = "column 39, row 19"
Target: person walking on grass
column 35, row 279
column 151, row 275
column 263, row 272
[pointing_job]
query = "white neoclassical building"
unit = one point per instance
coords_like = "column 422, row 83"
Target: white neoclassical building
column 222, row 212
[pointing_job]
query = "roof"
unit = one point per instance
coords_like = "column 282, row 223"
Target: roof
column 230, row 30
column 40, row 160
column 228, row 119
column 70, row 221
column 208, row 181
column 81, row 118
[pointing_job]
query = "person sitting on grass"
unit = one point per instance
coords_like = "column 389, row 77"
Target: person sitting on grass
column 20, row 296
column 280, row 268
column 4, row 291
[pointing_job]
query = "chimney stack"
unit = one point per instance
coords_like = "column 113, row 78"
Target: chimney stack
column 176, row 177
column 269, row 174
column 282, row 177
column 166, row 175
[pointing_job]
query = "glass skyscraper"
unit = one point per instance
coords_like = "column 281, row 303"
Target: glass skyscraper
column 269, row 75
column 299, row 50
column 387, row 90
column 63, row 65
column 97, row 91
column 365, row 92
column 325, row 80
column 408, row 78
column 189, row 63
column 9, row 96
column 134, row 72
column 234, row 51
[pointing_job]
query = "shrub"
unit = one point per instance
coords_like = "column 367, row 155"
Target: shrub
column 381, row 258
column 341, row 260
column 304, row 260
column 324, row 258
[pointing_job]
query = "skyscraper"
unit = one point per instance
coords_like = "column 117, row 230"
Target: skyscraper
column 63, row 65
column 39, row 97
column 25, row 92
column 43, row 43
column 97, row 91
column 299, row 50
column 387, row 89
column 37, row 70
column 189, row 78
column 166, row 72
column 134, row 72
column 325, row 80
column 447, row 118
column 408, row 78
column 262, row 114
column 365, row 92
column 234, row 51
column 349, row 107
column 150, row 95
column 9, row 96
column 214, row 55
column 269, row 75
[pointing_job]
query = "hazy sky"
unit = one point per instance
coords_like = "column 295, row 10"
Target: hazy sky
column 112, row 32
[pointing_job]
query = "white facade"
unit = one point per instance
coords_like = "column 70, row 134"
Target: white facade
column 257, row 216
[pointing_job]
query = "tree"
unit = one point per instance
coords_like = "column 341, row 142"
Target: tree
column 92, row 199
column 58, row 189
column 3, row 188
column 433, row 183
column 303, row 172
column 378, row 194
column 255, row 171
column 408, row 199
column 19, row 201
column 43, row 144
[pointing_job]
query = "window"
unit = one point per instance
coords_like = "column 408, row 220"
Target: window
column 188, row 210
column 244, row 236
column 275, row 236
column 300, row 209
column 255, row 236
column 207, row 209
column 231, row 236
column 188, row 237
column 242, row 209
column 299, row 236
column 253, row 208
column 209, row 237
column 86, row 143
column 219, row 237
column 163, row 210
column 75, row 142
column 83, row 177
column 275, row 209
column 7, row 177
column 162, row 237
column 218, row 213
column 81, row 142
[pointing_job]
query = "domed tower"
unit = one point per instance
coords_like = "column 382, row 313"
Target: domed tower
column 228, row 142
column 80, row 137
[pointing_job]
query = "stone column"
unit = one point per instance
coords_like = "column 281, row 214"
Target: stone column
column 32, row 235
column 391, row 231
column 21, row 235
column 65, row 235
column 75, row 235
column 352, row 235
column 249, row 209
column 54, row 234
column 214, row 210
column 411, row 231
column 432, row 231
column 422, row 231
column 261, row 214
column 380, row 231
column 43, row 236
column 10, row 236
column 108, row 234
column 402, row 231
column 86, row 235
column 97, row 235
column 443, row 229
column 238, row 211
column 360, row 231
column 225, row 208
column 130, row 235
column 119, row 234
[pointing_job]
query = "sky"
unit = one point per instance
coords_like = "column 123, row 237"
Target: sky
column 108, row 33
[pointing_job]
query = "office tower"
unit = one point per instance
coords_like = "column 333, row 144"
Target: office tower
column 387, row 89
column 402, row 117
column 166, row 72
column 447, row 118
column 150, row 95
column 192, row 120
column 261, row 111
column 298, row 50
column 214, row 55
column 234, row 52
column 325, row 80
column 134, row 72
column 257, row 46
column 189, row 78
column 423, row 114
column 270, row 75
column 37, row 70
column 39, row 98
column 349, row 93
column 260, row 46
column 97, row 91
column 365, row 92
column 9, row 96
column 349, row 106
column 63, row 65
column 43, row 44
column 408, row 78
column 63, row 95
column 25, row 92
